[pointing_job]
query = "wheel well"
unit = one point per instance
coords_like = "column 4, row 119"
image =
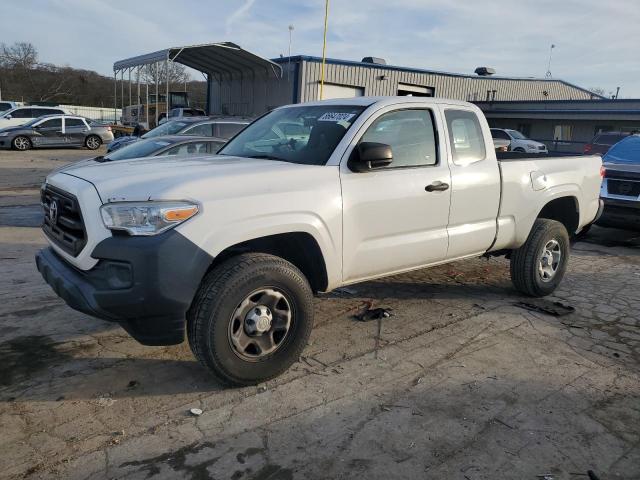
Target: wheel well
column 299, row 248
column 564, row 210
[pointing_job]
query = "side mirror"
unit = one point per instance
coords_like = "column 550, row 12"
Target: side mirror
column 370, row 156
column 8, row 117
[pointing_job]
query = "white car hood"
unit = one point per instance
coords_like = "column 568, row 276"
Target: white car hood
column 175, row 178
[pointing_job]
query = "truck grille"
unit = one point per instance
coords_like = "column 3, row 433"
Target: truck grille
column 623, row 187
column 63, row 222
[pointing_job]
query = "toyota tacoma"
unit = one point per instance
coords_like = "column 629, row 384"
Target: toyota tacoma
column 231, row 248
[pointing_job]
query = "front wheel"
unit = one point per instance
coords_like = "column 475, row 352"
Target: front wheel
column 537, row 267
column 93, row 142
column 251, row 318
column 21, row 143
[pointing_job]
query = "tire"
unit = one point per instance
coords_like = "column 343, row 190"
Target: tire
column 21, row 143
column 93, row 142
column 530, row 273
column 519, row 150
column 217, row 318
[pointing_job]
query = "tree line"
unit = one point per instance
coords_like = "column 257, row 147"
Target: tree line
column 24, row 78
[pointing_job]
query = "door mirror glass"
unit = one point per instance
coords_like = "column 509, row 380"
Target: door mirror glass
column 8, row 117
column 370, row 156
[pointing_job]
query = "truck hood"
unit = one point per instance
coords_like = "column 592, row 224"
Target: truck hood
column 175, row 178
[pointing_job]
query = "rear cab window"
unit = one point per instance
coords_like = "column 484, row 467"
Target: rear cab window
column 465, row 136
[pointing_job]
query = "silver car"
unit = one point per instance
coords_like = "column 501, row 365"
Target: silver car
column 56, row 131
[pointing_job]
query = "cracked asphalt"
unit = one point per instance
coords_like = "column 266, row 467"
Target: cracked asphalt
column 459, row 383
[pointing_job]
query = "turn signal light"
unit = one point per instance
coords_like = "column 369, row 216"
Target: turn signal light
column 603, row 171
column 179, row 214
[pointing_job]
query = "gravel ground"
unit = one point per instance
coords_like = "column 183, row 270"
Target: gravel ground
column 460, row 383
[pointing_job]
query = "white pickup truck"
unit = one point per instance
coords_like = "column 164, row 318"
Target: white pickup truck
column 307, row 198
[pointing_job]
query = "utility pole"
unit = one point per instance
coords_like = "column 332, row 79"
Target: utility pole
column 548, row 74
column 324, row 46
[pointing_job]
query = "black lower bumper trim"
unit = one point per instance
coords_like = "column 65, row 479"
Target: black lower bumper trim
column 146, row 284
column 620, row 214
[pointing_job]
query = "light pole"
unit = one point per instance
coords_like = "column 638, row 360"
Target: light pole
column 324, row 47
column 548, row 74
column 289, row 66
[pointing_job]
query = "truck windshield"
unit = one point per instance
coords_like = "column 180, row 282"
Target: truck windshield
column 301, row 134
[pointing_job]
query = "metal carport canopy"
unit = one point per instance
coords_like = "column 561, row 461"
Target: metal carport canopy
column 223, row 58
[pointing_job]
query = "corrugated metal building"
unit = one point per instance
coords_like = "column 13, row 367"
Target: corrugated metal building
column 564, row 125
column 300, row 82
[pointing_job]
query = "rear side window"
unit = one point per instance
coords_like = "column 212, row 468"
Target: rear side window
column 227, row 130
column 409, row 133
column 465, row 136
column 23, row 113
column 74, row 122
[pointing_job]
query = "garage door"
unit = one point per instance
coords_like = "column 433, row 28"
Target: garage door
column 332, row 90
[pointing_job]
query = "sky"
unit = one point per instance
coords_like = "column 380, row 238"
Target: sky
column 596, row 41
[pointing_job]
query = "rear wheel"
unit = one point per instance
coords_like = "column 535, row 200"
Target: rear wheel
column 93, row 142
column 537, row 267
column 251, row 318
column 21, row 143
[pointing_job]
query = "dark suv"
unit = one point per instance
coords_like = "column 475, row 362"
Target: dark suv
column 602, row 142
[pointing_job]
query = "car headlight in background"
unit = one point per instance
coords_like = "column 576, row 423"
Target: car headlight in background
column 530, row 145
column 4, row 134
column 146, row 218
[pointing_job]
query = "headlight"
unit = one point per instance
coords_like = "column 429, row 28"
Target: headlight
column 530, row 145
column 4, row 134
column 146, row 218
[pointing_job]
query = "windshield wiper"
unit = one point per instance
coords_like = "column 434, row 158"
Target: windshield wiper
column 266, row 157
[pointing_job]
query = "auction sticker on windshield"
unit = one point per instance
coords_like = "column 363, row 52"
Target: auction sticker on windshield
column 336, row 117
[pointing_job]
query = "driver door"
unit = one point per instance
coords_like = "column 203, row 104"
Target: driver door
column 49, row 132
column 393, row 218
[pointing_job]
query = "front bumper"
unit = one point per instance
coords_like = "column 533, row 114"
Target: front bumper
column 146, row 284
column 623, row 214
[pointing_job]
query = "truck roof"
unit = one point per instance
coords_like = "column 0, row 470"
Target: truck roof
column 382, row 101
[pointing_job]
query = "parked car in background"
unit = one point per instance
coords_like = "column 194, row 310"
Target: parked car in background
column 221, row 127
column 21, row 115
column 7, row 105
column 177, row 113
column 620, row 189
column 519, row 142
column 230, row 248
column 56, row 131
column 166, row 145
column 602, row 142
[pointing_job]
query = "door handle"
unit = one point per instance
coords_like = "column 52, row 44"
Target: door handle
column 437, row 187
